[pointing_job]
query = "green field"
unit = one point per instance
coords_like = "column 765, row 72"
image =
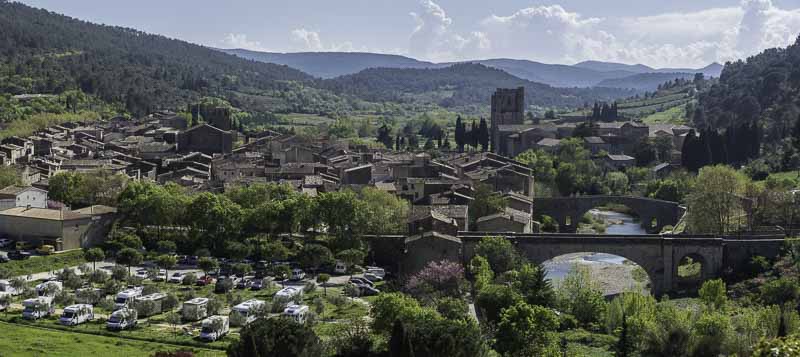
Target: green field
column 675, row 115
column 21, row 340
column 42, row 264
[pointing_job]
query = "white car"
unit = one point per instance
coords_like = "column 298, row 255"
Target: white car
column 372, row 277
column 142, row 273
column 177, row 277
column 5, row 242
column 160, row 276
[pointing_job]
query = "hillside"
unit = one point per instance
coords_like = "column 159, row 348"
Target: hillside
column 553, row 74
column 331, row 64
column 764, row 89
column 44, row 52
column 644, row 81
column 458, row 85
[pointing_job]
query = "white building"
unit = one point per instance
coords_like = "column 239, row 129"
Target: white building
column 16, row 196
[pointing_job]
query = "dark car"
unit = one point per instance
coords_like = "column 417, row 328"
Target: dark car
column 18, row 255
column 368, row 291
column 257, row 284
column 244, row 284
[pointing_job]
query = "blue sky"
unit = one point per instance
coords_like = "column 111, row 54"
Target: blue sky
column 662, row 33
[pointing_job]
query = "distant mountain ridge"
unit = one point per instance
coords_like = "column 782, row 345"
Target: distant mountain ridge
column 329, row 65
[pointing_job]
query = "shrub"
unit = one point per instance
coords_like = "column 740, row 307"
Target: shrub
column 119, row 273
column 98, row 277
column 170, row 302
column 149, row 289
column 352, row 290
column 189, row 279
column 309, row 287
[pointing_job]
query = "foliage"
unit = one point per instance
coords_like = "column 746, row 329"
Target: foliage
column 526, row 330
column 714, row 203
column 481, row 271
column 500, row 253
column 485, row 202
column 712, row 293
column 493, row 299
column 276, row 337
column 314, row 255
column 579, row 296
column 531, row 281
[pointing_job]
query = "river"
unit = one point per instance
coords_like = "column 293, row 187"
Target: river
column 612, row 273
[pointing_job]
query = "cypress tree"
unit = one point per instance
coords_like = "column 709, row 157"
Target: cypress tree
column 459, row 134
column 483, row 135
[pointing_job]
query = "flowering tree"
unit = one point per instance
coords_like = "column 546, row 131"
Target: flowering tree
column 437, row 279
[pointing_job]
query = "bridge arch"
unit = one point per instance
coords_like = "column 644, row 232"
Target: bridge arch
column 567, row 211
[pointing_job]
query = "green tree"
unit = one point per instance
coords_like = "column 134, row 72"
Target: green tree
column 566, row 179
column 94, row 255
column 481, row 272
column 715, row 202
column 579, row 296
column 383, row 212
column 485, row 202
column 713, row 294
column 313, row 256
column 207, row 264
column 276, row 337
column 339, row 211
column 531, row 281
column 391, row 307
column 351, row 257
column 493, row 299
column 323, row 279
column 526, row 330
column 500, row 253
column 166, row 262
column 129, row 257
column 218, row 217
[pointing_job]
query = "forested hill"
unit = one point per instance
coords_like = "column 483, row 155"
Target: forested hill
column 459, row 85
column 44, row 52
column 763, row 89
column 645, row 81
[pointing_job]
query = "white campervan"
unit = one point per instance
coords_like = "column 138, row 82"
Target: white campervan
column 127, row 297
column 6, row 288
column 76, row 314
column 247, row 310
column 49, row 288
column 298, row 313
column 195, row 309
column 290, row 293
column 154, row 301
column 122, row 319
column 214, row 328
column 298, row 274
column 37, row 308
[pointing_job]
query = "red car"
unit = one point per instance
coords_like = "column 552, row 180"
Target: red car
column 204, row 280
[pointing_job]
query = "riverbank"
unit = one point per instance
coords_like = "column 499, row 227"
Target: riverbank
column 612, row 274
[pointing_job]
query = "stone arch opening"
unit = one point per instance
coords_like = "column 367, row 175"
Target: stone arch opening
column 690, row 271
column 612, row 273
column 605, row 218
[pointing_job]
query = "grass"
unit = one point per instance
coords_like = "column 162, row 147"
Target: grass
column 41, row 264
column 19, row 340
column 675, row 115
column 689, row 269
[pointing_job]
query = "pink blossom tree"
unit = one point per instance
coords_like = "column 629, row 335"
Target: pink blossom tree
column 437, row 279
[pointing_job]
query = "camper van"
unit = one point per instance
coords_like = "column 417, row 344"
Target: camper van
column 195, row 309
column 127, row 297
column 37, row 308
column 76, row 314
column 49, row 288
column 298, row 274
column 290, row 293
column 340, row 267
column 247, row 310
column 7, row 289
column 214, row 328
column 122, row 319
column 149, row 305
column 297, row 313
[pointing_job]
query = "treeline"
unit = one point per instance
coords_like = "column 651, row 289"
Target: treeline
column 733, row 146
column 605, row 112
column 762, row 90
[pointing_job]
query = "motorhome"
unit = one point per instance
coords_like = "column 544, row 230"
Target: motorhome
column 340, row 267
column 290, row 293
column 214, row 328
column 37, row 308
column 7, row 289
column 298, row 313
column 149, row 305
column 247, row 311
column 49, row 288
column 127, row 297
column 122, row 319
column 76, row 314
column 195, row 309
column 298, row 274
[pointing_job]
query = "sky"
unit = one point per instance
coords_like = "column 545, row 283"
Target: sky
column 658, row 33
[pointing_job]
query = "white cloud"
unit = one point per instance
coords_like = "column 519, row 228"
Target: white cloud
column 554, row 34
column 306, row 40
column 239, row 40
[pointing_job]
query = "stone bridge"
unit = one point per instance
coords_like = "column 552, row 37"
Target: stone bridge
column 658, row 255
column 567, row 211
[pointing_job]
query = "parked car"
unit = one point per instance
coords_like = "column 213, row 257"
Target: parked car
column 18, row 255
column 142, row 273
column 257, row 284
column 5, row 242
column 244, row 283
column 177, row 277
column 4, row 259
column 369, row 291
column 372, row 277
column 362, row 281
column 46, row 249
column 204, row 280
column 298, row 274
column 160, row 276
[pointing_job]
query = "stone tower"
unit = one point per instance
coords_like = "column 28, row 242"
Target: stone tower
column 508, row 108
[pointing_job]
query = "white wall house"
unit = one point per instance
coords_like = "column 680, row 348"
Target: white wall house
column 16, row 196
